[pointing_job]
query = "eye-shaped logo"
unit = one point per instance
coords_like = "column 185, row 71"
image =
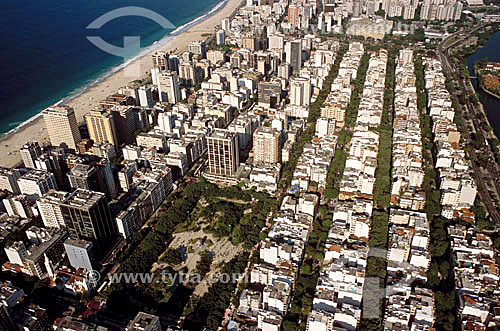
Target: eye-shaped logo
column 131, row 44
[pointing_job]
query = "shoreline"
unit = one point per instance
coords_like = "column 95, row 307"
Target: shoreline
column 478, row 73
column 34, row 127
column 485, row 90
column 472, row 69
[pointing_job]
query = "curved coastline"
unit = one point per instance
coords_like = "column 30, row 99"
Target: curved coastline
column 490, row 93
column 117, row 68
column 34, row 128
column 488, row 101
column 485, row 90
column 477, row 72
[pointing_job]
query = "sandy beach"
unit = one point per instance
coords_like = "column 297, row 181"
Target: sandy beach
column 35, row 130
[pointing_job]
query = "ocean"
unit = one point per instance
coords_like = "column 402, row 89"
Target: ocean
column 46, row 56
column 490, row 52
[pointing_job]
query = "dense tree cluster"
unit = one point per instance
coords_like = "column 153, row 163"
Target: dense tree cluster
column 212, row 305
column 173, row 256
column 226, row 207
column 376, row 266
column 440, row 277
column 307, row 279
column 339, row 158
column 357, row 93
column 204, row 264
column 382, row 190
column 135, row 298
column 228, row 218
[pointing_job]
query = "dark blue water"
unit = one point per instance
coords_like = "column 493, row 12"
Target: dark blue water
column 490, row 52
column 45, row 55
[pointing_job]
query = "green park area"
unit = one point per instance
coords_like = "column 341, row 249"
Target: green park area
column 202, row 231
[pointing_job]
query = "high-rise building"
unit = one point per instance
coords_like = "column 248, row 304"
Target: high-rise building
column 29, row 152
column 214, row 56
column 406, row 56
column 202, row 69
column 189, row 74
column 19, row 205
column 219, row 37
column 300, row 91
column 249, row 42
column 173, row 63
column 409, row 12
column 6, row 323
column 293, row 15
column 87, row 216
column 269, row 93
column 16, row 253
column 356, row 8
column 101, row 127
column 325, row 127
column 243, row 126
column 235, row 60
column 106, row 179
column 49, row 206
column 198, row 48
column 267, row 143
column 84, row 176
column 130, row 91
column 50, row 162
column 459, row 6
column 36, row 319
column 36, row 182
column 168, row 87
column 284, row 70
column 129, row 221
column 275, row 42
column 97, row 176
column 160, row 60
column 223, row 152
column 166, row 121
column 448, row 10
column 47, row 244
column 371, row 7
column 127, row 121
column 8, row 180
column 263, row 61
column 226, row 24
column 293, row 50
column 334, row 111
column 144, row 322
column 79, row 253
column 62, row 127
column 145, row 96
column 386, row 4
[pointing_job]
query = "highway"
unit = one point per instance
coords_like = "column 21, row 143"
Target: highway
column 452, row 70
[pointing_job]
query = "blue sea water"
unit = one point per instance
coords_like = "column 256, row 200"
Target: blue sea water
column 45, row 55
column 489, row 52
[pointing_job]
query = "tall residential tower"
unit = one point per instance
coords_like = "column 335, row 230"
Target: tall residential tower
column 62, row 126
column 223, row 152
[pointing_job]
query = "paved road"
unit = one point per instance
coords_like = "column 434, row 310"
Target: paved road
column 453, row 71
